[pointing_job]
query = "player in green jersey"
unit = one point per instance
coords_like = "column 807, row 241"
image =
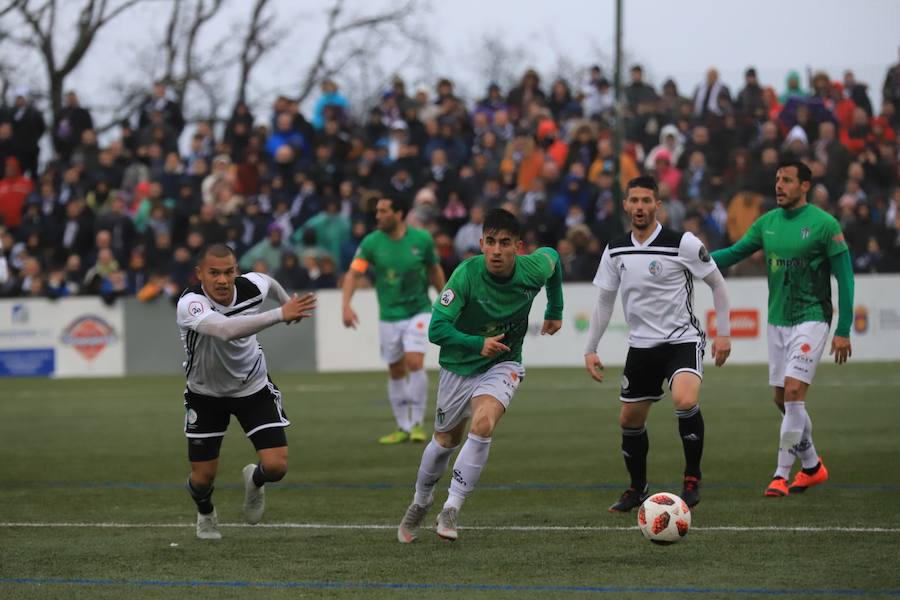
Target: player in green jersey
column 803, row 247
column 404, row 263
column 480, row 321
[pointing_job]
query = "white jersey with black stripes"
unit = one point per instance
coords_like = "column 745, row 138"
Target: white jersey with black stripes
column 215, row 367
column 656, row 281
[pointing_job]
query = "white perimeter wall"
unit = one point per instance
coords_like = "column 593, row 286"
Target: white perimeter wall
column 875, row 335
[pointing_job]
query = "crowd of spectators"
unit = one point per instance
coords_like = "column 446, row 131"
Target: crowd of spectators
column 294, row 193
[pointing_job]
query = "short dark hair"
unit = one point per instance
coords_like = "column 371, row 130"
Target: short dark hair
column 803, row 172
column 217, row 250
column 398, row 204
column 643, row 181
column 500, row 219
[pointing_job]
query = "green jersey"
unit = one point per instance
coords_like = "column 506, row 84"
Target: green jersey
column 401, row 271
column 476, row 304
column 798, row 245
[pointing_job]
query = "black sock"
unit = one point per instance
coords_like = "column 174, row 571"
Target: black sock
column 813, row 470
column 690, row 427
column 259, row 476
column 635, row 445
column 202, row 498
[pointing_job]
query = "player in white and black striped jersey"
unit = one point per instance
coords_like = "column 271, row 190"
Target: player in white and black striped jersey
column 226, row 375
column 654, row 268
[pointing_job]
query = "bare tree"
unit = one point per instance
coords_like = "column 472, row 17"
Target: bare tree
column 260, row 38
column 339, row 27
column 41, row 21
column 500, row 62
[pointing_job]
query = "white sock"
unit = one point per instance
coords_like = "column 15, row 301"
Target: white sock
column 792, row 424
column 467, row 469
column 435, row 459
column 399, row 402
column 417, row 391
column 806, row 450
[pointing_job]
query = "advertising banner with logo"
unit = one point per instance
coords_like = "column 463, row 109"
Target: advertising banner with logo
column 876, row 326
column 75, row 337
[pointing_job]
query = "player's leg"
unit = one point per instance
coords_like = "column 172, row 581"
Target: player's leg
column 490, row 400
column 641, row 386
column 417, row 391
column 451, row 417
column 777, row 360
column 805, row 351
column 635, row 447
column 206, row 421
column 415, row 342
column 685, row 366
column 391, row 334
column 263, row 419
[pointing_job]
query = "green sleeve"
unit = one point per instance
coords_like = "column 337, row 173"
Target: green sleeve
column 835, row 243
column 553, row 286
column 842, row 268
column 747, row 245
column 443, row 333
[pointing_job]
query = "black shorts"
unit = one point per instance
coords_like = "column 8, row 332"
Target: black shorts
column 647, row 368
column 261, row 416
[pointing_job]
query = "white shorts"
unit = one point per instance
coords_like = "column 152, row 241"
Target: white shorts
column 455, row 391
column 399, row 337
column 795, row 351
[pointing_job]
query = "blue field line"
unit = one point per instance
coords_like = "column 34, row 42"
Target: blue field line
column 474, row 587
column 386, row 486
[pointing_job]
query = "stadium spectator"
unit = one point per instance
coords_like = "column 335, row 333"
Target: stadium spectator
column 27, row 128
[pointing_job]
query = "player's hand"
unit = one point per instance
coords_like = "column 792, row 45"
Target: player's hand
column 350, row 318
column 551, row 326
column 298, row 307
column 493, row 346
column 840, row 347
column 594, row 366
column 721, row 349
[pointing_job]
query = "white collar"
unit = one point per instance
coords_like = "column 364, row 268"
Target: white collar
column 649, row 239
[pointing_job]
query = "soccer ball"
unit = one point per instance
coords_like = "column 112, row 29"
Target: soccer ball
column 664, row 518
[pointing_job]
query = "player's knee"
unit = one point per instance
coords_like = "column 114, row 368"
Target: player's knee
column 202, row 477
column 629, row 421
column 793, row 393
column 447, row 439
column 275, row 468
column 415, row 362
column 397, row 370
column 483, row 425
column 684, row 401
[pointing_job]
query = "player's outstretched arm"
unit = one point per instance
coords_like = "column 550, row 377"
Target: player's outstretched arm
column 276, row 291
column 842, row 268
column 231, row 328
column 721, row 347
column 747, row 245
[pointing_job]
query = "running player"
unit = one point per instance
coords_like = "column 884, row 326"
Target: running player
column 480, row 320
column 404, row 263
column 226, row 375
column 655, row 268
column 803, row 246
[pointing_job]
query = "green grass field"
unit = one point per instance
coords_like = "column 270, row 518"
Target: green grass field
column 77, row 454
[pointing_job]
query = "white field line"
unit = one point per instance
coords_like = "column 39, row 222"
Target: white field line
column 373, row 526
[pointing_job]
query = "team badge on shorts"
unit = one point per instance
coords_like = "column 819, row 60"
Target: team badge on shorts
column 447, row 297
column 625, row 382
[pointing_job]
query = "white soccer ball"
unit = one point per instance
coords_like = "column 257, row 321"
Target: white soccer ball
column 664, row 518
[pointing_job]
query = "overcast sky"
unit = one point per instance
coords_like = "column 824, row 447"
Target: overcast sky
column 679, row 39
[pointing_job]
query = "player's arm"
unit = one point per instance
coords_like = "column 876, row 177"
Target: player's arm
column 721, row 347
column 358, row 266
column 747, row 245
column 553, row 287
column 217, row 325
column 276, row 291
column 446, row 310
column 436, row 276
column 606, row 301
column 607, row 280
column 842, row 267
